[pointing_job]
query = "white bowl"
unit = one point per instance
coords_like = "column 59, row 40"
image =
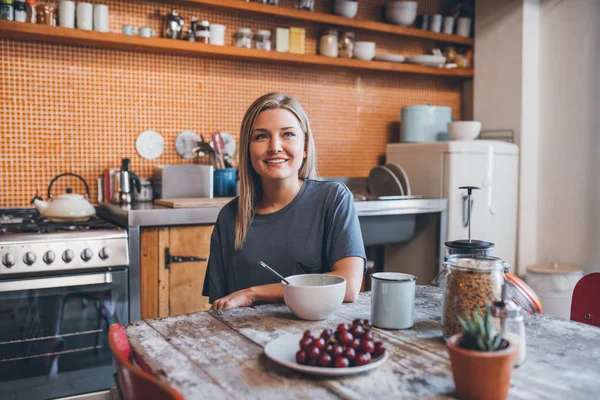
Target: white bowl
column 364, row 50
column 402, row 4
column 345, row 8
column 464, row 130
column 401, row 16
column 314, row 296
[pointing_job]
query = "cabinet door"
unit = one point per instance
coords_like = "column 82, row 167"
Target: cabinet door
column 187, row 278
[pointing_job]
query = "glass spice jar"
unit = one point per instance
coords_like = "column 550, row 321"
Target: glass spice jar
column 46, row 14
column 328, row 44
column 243, row 38
column 262, row 40
column 513, row 330
column 203, row 32
column 470, row 281
column 30, row 9
column 7, row 11
column 346, row 45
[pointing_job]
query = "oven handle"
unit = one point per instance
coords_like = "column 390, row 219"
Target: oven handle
column 62, row 281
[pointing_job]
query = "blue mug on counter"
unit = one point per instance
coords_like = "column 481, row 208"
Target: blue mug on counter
column 225, row 184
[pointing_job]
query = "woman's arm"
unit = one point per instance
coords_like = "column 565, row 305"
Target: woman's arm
column 350, row 268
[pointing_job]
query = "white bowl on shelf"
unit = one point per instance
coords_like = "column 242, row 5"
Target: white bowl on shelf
column 345, row 8
column 401, row 16
column 364, row 50
column 464, row 130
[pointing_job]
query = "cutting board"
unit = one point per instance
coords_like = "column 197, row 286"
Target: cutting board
column 199, row 202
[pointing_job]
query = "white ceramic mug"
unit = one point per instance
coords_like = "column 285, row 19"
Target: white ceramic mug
column 217, row 34
column 101, row 18
column 85, row 16
column 449, row 25
column 436, row 23
column 66, row 14
column 393, row 300
column 147, row 32
column 128, row 30
column 463, row 26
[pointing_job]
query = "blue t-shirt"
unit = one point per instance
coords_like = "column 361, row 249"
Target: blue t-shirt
column 309, row 235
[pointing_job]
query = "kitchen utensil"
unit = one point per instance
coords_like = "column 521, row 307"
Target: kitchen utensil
column 364, row 50
column 283, row 351
column 383, row 182
column 218, row 143
column 401, row 175
column 271, row 270
column 185, row 143
column 464, row 130
column 390, row 57
column 145, row 193
column 314, row 296
column 229, row 145
column 150, row 144
column 429, row 60
column 225, row 182
column 393, row 300
column 424, row 123
column 127, row 177
column 68, row 206
column 345, row 8
column 401, row 13
column 173, row 28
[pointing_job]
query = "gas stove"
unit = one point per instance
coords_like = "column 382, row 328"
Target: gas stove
column 32, row 244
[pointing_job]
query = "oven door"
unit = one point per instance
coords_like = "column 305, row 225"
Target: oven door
column 54, row 333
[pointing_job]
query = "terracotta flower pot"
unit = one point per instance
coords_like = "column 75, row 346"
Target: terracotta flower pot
column 481, row 375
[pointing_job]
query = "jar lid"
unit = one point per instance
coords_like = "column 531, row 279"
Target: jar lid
column 244, row 31
column 30, row 1
column 554, row 269
column 7, row 1
column 205, row 24
column 475, row 262
column 473, row 244
column 330, row 32
column 522, row 294
column 263, row 32
column 427, row 108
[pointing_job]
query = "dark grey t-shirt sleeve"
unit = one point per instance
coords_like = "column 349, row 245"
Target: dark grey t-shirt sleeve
column 344, row 238
column 214, row 280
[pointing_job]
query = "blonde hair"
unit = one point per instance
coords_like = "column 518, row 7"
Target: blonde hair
column 250, row 184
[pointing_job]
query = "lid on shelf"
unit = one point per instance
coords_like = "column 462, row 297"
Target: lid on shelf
column 554, row 269
column 519, row 292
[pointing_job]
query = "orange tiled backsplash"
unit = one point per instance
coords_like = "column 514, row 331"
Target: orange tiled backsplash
column 76, row 109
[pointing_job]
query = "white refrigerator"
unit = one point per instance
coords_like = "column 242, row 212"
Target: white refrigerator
column 436, row 170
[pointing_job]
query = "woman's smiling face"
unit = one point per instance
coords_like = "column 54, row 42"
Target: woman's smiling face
column 277, row 145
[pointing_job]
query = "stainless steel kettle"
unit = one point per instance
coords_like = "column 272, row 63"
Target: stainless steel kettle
column 173, row 25
column 126, row 178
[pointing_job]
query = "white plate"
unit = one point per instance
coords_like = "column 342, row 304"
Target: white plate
column 401, row 175
column 390, row 57
column 229, row 144
column 185, row 143
column 283, row 351
column 150, row 144
column 428, row 60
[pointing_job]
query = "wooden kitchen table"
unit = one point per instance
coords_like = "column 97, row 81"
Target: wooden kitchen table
column 218, row 355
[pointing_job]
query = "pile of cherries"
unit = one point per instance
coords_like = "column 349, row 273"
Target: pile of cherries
column 348, row 346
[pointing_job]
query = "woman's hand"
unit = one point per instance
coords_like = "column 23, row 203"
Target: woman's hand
column 241, row 298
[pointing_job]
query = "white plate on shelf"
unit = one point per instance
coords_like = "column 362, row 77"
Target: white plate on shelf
column 390, row 57
column 283, row 351
column 150, row 144
column 185, row 143
column 428, row 60
column 401, row 175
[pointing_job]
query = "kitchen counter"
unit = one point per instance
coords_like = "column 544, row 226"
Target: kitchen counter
column 149, row 214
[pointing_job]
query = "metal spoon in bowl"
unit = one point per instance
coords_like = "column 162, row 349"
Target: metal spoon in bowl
column 274, row 272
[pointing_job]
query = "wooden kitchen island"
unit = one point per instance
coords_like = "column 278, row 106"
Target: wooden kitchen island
column 219, row 355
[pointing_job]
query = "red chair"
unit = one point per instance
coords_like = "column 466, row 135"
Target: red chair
column 132, row 382
column 585, row 306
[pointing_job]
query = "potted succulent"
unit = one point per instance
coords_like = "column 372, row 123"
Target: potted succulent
column 482, row 361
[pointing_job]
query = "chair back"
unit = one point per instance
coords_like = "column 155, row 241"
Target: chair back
column 585, row 305
column 132, row 382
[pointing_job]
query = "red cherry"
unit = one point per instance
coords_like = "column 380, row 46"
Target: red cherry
column 328, row 348
column 320, row 343
column 301, row 357
column 350, row 354
column 342, row 328
column 367, row 324
column 324, row 360
column 362, row 359
column 337, row 350
column 357, row 321
column 312, row 362
column 307, row 334
column 345, row 337
column 341, row 362
column 305, row 342
column 313, row 351
column 357, row 330
column 367, row 346
column 379, row 349
column 355, row 344
column 368, row 336
column 327, row 334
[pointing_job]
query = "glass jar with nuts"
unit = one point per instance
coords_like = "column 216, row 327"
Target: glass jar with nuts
column 470, row 281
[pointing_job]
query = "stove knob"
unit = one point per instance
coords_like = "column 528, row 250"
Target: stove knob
column 49, row 257
column 29, row 258
column 68, row 256
column 104, row 253
column 8, row 260
column 86, row 255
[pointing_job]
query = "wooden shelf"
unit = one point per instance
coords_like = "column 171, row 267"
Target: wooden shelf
column 327, row 19
column 78, row 37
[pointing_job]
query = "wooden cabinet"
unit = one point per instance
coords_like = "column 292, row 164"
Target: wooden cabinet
column 173, row 265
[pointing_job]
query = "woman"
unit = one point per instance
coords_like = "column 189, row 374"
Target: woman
column 282, row 216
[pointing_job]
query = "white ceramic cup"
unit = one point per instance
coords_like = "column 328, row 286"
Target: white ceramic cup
column 463, row 26
column 449, row 25
column 393, row 300
column 147, row 32
column 128, row 30
column 101, row 18
column 436, row 23
column 66, row 14
column 85, row 16
column 217, row 34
